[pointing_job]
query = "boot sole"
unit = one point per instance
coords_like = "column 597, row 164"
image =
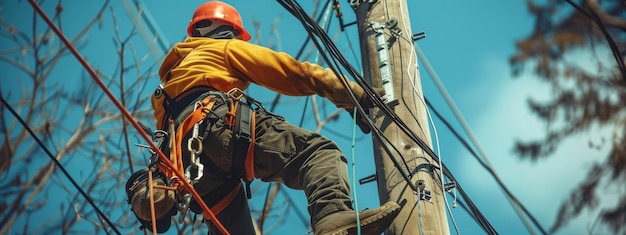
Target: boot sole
column 372, row 225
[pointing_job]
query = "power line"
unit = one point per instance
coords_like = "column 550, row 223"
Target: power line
column 206, row 211
column 614, row 49
column 304, row 108
column 517, row 205
column 58, row 164
column 486, row 163
column 313, row 28
column 456, row 134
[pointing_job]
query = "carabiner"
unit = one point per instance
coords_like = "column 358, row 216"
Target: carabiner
column 194, row 145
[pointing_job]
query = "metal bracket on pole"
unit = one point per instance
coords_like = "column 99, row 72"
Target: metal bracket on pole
column 392, row 25
column 419, row 36
column 384, row 68
column 448, row 187
column 356, row 3
column 368, row 179
column 423, row 193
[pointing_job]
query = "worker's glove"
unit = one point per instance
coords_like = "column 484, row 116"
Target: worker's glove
column 366, row 102
column 139, row 200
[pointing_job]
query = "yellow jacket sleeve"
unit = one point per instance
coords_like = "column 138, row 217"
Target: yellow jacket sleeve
column 227, row 64
column 282, row 73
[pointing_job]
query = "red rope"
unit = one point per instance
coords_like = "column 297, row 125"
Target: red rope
column 206, row 212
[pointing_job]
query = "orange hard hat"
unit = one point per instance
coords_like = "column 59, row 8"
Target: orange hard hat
column 216, row 10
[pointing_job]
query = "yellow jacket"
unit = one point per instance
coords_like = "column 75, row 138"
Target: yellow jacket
column 225, row 64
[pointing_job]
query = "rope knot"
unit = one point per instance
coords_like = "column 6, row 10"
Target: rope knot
column 230, row 118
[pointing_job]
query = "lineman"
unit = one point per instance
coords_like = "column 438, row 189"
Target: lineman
column 209, row 70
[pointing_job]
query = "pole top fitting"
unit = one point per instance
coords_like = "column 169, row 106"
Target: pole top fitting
column 356, row 3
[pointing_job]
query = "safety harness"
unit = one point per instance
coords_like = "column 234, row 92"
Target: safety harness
column 191, row 112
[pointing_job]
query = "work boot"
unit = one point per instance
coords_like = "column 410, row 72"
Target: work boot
column 344, row 222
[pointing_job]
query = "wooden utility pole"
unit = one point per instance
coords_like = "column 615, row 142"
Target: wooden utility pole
column 389, row 60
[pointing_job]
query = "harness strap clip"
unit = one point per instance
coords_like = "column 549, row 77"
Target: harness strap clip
column 184, row 207
column 236, row 94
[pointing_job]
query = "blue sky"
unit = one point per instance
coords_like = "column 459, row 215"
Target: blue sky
column 468, row 43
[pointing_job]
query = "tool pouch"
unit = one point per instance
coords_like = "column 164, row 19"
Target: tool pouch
column 138, row 197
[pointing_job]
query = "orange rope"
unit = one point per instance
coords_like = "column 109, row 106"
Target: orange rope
column 206, row 212
column 176, row 140
column 222, row 204
column 150, row 192
column 164, row 187
column 231, row 116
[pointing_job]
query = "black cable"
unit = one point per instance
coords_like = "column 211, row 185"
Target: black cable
column 297, row 12
column 484, row 222
column 482, row 163
column 507, row 192
column 306, row 41
column 58, row 164
column 298, row 55
column 456, row 134
column 478, row 216
column 331, row 49
column 616, row 53
column 315, row 30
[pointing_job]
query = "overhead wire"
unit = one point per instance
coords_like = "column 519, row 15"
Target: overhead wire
column 614, row 49
column 486, row 163
column 520, row 209
column 351, row 48
column 457, row 135
column 304, row 108
column 59, row 165
column 298, row 12
column 355, row 201
column 513, row 201
column 412, row 72
column 312, row 28
column 188, row 187
column 409, row 75
column 354, row 180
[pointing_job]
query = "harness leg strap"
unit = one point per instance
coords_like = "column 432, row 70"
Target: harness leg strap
column 243, row 153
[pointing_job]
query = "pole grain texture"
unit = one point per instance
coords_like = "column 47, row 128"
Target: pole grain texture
column 417, row 216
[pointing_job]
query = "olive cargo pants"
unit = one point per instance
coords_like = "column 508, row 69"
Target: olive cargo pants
column 283, row 153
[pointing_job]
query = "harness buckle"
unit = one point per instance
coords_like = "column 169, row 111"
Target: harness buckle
column 236, row 94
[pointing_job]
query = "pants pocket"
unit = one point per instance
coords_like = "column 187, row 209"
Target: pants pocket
column 217, row 145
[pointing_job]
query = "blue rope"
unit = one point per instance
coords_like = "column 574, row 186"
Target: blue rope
column 355, row 203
